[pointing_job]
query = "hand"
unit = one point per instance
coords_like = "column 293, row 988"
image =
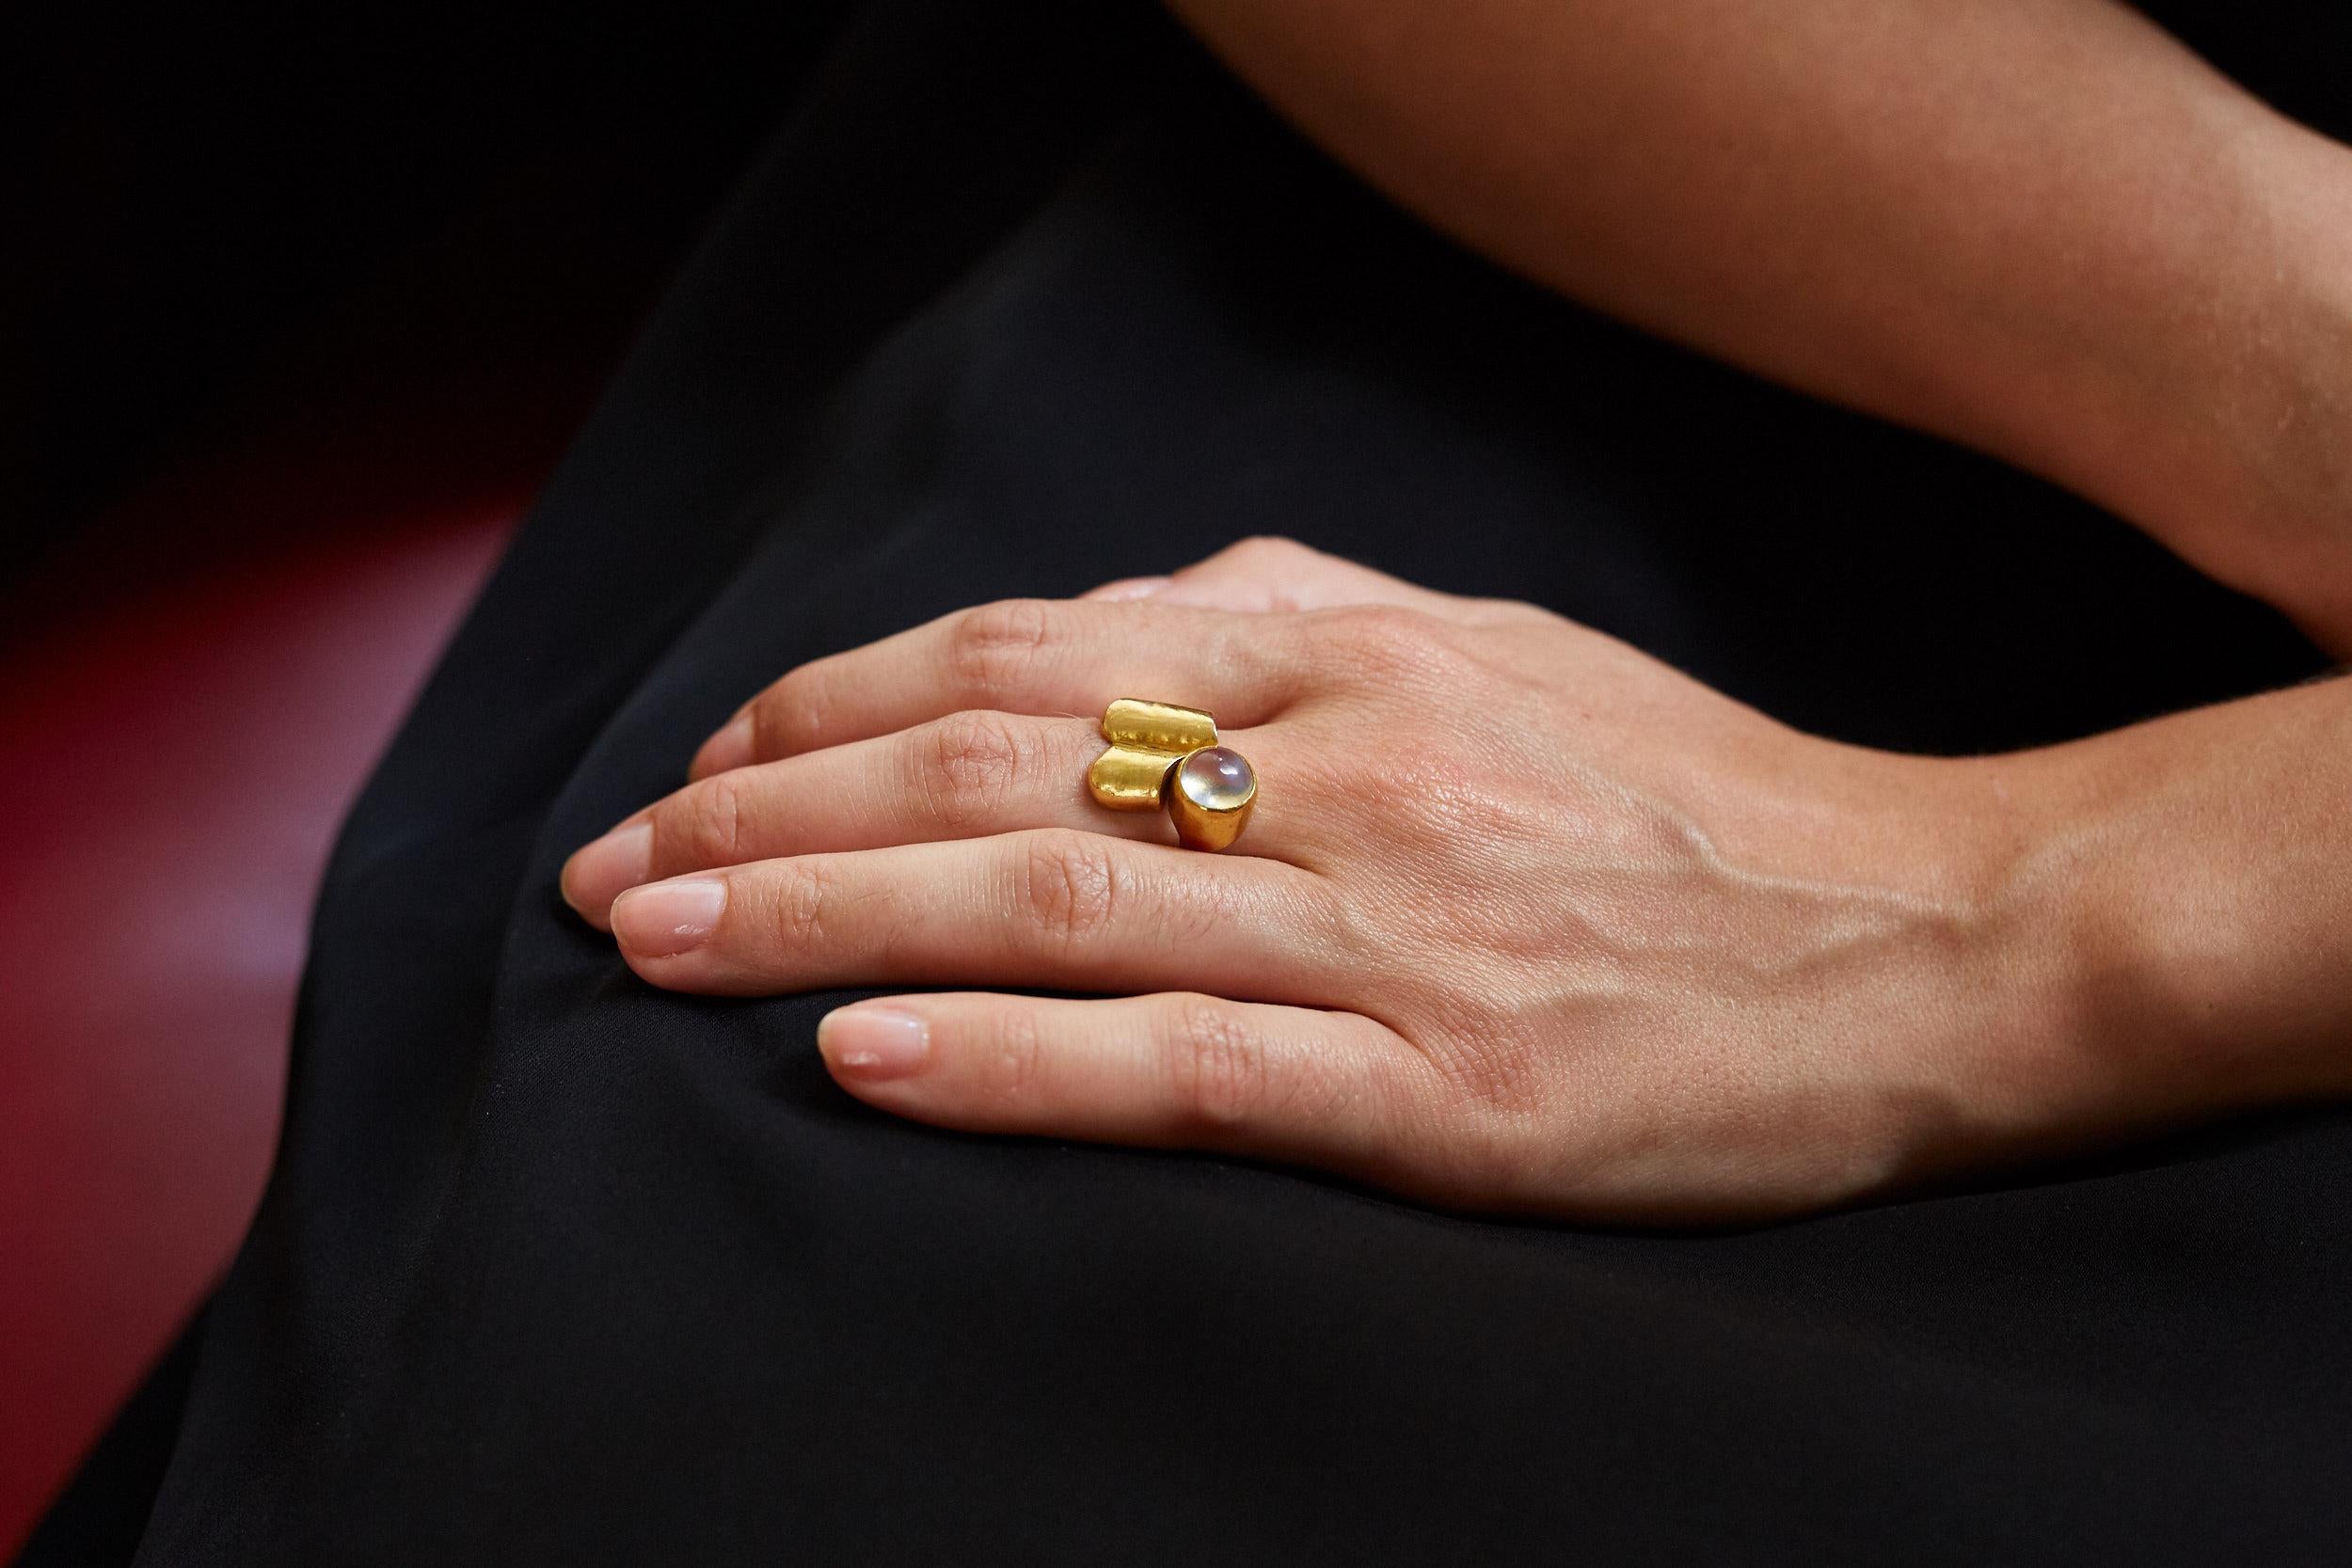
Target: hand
column 1525, row 919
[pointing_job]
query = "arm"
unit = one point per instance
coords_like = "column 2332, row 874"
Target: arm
column 1581, row 937
column 2038, row 227
column 2186, row 879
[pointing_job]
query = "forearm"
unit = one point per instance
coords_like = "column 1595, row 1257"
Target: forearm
column 2039, row 226
column 2180, row 894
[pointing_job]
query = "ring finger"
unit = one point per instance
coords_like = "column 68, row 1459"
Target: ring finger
column 969, row 775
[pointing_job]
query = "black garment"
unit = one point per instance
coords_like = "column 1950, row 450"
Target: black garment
column 556, row 1267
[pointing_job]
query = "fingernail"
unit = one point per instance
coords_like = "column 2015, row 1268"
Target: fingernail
column 1129, row 588
column 872, row 1043
column 730, row 747
column 662, row 920
column 600, row 872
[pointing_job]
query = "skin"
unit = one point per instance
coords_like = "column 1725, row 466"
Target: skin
column 1584, row 939
column 2039, row 226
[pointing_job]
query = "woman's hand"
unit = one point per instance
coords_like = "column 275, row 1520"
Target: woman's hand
column 1524, row 920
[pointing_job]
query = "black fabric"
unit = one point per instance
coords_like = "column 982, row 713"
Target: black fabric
column 555, row 1267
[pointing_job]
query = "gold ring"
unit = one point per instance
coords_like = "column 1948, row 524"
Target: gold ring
column 1162, row 756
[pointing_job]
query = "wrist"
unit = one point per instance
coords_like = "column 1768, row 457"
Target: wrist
column 2049, row 1049
column 2168, row 894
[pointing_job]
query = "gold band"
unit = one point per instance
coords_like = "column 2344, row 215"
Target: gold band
column 1164, row 756
column 1157, row 726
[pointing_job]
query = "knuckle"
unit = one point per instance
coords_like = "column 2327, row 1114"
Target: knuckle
column 1459, row 798
column 1442, row 789
column 974, row 762
column 1013, row 1047
column 801, row 911
column 1218, row 1062
column 1069, row 886
column 788, row 717
column 1271, row 551
column 1395, row 650
column 1334, row 783
column 1474, row 815
column 1384, row 624
column 705, row 823
column 1493, row 1076
column 1482, row 1117
column 994, row 648
column 1382, row 640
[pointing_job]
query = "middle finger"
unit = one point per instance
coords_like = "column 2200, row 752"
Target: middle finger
column 1021, row 656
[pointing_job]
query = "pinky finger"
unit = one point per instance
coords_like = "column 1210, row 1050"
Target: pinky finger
column 1176, row 1070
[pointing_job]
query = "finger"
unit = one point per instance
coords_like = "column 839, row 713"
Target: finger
column 1125, row 588
column 1266, row 575
column 1019, row 656
column 1331, row 1089
column 1055, row 908
column 969, row 775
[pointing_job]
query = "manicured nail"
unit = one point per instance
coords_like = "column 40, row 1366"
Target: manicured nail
column 1128, row 588
column 730, row 747
column 662, row 920
column 872, row 1043
column 600, row 872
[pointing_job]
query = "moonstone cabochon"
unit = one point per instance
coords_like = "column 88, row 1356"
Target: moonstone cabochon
column 1217, row 779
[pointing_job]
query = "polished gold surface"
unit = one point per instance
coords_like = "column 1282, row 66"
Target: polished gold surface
column 1214, row 820
column 1149, row 744
column 1157, row 726
column 1129, row 778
